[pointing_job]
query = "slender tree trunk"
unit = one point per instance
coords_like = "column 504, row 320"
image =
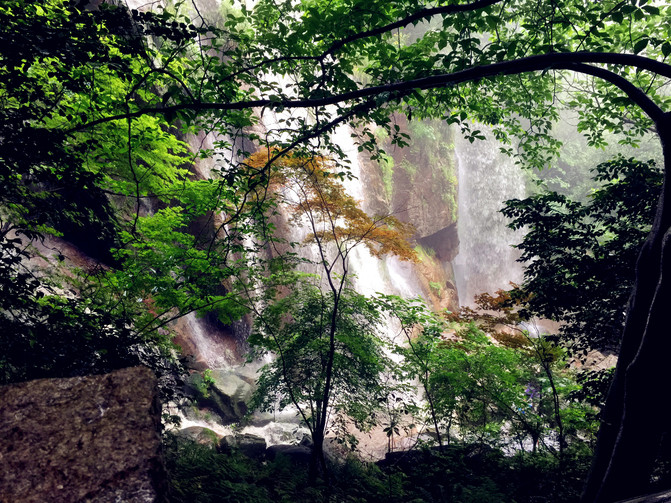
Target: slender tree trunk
column 432, row 408
column 635, row 418
column 557, row 410
column 317, row 460
column 449, row 427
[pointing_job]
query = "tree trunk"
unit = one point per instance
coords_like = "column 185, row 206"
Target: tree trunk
column 433, row 410
column 317, row 460
column 634, row 418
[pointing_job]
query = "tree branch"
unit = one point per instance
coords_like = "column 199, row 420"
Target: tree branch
column 339, row 44
column 420, row 15
column 578, row 62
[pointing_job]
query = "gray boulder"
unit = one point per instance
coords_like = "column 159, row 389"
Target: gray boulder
column 297, row 454
column 200, row 435
column 251, row 446
column 82, row 439
column 227, row 397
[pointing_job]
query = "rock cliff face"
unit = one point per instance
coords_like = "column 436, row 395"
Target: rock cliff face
column 82, row 439
column 424, row 184
column 418, row 185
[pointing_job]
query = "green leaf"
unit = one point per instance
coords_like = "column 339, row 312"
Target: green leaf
column 666, row 49
column 651, row 9
column 640, row 45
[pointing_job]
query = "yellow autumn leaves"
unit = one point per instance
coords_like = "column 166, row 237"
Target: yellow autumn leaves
column 313, row 192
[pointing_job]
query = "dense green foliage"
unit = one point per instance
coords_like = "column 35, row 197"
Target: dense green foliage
column 506, row 389
column 581, row 256
column 296, row 329
column 121, row 192
column 59, row 322
column 459, row 473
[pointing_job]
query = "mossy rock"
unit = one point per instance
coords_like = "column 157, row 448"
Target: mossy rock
column 200, row 435
column 225, row 395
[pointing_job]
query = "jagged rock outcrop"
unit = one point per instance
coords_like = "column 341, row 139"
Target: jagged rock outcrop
column 424, row 177
column 418, row 185
column 445, row 242
column 82, row 439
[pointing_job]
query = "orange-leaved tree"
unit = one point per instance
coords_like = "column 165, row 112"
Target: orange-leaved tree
column 313, row 191
column 325, row 336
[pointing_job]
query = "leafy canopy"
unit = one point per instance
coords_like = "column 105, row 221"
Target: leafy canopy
column 581, row 256
column 487, row 384
column 297, row 330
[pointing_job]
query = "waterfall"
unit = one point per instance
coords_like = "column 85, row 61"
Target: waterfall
column 370, row 274
column 486, row 261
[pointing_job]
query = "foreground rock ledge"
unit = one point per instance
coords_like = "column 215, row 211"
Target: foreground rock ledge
column 662, row 497
column 82, row 439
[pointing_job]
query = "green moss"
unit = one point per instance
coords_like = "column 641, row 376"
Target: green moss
column 386, row 164
column 425, row 254
column 409, row 168
column 381, row 134
column 436, row 288
column 431, row 145
column 424, row 131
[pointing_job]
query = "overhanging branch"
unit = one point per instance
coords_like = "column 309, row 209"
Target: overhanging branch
column 580, row 62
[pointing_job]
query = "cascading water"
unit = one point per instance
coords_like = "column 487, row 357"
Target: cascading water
column 370, row 274
column 486, row 261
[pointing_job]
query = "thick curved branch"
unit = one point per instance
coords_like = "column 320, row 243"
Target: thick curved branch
column 635, row 94
column 578, row 62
